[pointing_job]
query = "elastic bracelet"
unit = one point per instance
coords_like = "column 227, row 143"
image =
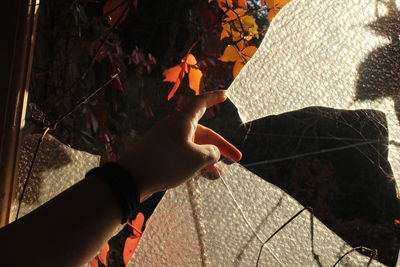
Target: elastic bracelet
column 121, row 183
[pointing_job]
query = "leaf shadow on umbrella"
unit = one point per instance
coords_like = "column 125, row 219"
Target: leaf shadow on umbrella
column 379, row 73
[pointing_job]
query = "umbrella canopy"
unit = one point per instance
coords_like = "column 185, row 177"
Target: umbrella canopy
column 336, row 54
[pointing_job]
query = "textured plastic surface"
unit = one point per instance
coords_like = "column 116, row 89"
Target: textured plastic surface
column 198, row 224
column 171, row 237
column 310, row 57
column 339, row 54
column 57, row 168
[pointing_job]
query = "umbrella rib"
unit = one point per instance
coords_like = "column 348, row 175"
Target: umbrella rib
column 246, row 220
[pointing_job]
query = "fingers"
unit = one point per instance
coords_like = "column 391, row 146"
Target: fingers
column 200, row 103
column 213, row 171
column 204, row 135
column 205, row 155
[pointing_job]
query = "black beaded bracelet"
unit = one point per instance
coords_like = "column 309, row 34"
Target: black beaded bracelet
column 121, row 183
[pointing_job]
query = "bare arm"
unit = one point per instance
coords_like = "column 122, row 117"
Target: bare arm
column 69, row 229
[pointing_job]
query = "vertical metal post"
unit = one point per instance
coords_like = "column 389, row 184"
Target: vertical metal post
column 17, row 26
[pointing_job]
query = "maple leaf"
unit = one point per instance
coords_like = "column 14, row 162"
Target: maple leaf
column 102, row 257
column 238, row 54
column 117, row 10
column 274, row 7
column 177, row 73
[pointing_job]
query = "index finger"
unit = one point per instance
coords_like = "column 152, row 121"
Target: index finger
column 200, row 103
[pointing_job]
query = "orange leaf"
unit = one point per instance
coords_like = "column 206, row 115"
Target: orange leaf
column 190, row 60
column 137, row 223
column 194, row 79
column 132, row 241
column 249, row 51
column 240, row 45
column 237, row 67
column 234, row 15
column 242, row 3
column 176, row 85
column 230, row 54
column 120, row 9
column 172, row 74
column 130, row 245
column 177, row 73
column 102, row 257
column 275, row 6
column 269, row 3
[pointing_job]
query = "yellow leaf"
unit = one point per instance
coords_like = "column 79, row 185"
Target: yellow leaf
column 250, row 25
column 194, row 79
column 230, row 54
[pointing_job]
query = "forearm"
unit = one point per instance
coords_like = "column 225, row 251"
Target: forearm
column 66, row 231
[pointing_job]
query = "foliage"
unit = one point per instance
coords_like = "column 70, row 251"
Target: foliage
column 176, row 74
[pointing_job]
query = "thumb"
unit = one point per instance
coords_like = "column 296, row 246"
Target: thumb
column 206, row 155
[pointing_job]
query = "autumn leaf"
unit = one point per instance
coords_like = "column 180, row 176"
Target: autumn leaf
column 237, row 25
column 224, row 4
column 117, row 10
column 132, row 241
column 242, row 3
column 174, row 75
column 239, row 55
column 177, row 73
column 102, row 257
column 274, row 7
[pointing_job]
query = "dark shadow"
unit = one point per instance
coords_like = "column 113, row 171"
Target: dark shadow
column 379, row 73
column 50, row 156
column 335, row 161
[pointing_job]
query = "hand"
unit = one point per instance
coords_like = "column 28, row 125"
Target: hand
column 177, row 147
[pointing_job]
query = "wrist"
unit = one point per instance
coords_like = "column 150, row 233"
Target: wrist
column 122, row 185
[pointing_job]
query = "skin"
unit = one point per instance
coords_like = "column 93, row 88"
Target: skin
column 68, row 231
